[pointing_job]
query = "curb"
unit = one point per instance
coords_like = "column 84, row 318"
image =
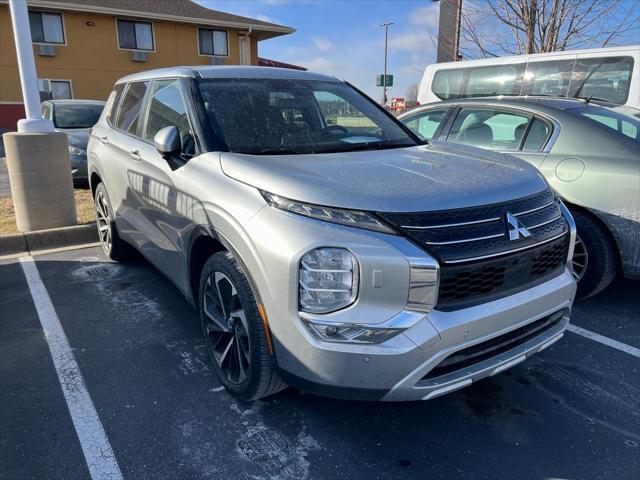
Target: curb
column 48, row 239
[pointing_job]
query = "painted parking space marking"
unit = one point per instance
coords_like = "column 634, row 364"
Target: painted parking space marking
column 610, row 342
column 95, row 445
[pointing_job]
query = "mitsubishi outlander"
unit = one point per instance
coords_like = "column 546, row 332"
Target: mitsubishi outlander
column 324, row 244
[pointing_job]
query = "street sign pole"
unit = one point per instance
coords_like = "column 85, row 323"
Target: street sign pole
column 384, row 77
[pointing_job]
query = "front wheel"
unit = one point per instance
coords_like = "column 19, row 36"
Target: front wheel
column 234, row 331
column 113, row 246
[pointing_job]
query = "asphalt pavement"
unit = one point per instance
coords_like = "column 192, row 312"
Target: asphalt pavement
column 571, row 412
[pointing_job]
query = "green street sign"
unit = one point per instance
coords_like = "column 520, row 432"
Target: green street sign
column 379, row 81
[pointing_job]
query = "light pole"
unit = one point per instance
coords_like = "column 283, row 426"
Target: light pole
column 37, row 156
column 384, row 77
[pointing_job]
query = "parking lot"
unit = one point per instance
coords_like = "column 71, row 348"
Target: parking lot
column 572, row 412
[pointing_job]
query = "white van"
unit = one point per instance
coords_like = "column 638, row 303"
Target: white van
column 608, row 74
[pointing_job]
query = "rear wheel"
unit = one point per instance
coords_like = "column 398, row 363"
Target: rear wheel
column 114, row 247
column 234, row 331
column 595, row 262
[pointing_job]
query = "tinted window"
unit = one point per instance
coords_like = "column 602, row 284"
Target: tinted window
column 117, row 94
column 537, row 136
column 488, row 128
column 267, row 116
column 498, row 80
column 76, row 115
column 425, row 124
column 605, row 79
column 548, row 78
column 448, row 84
column 129, row 111
column 167, row 108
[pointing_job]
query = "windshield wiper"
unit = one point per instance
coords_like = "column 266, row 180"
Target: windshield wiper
column 352, row 147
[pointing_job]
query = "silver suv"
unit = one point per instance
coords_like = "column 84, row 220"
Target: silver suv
column 323, row 243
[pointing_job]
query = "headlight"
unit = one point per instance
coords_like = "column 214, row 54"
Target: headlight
column 351, row 218
column 73, row 150
column 328, row 280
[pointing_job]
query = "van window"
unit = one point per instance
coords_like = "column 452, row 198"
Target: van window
column 130, row 108
column 607, row 78
column 448, row 84
column 498, row 80
column 167, row 108
column 548, row 78
column 425, row 124
column 489, row 128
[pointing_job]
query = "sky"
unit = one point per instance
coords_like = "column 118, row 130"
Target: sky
column 344, row 37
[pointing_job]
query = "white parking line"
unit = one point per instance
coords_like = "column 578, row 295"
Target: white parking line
column 95, row 445
column 609, row 342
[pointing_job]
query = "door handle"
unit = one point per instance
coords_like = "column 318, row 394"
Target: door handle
column 135, row 155
column 104, row 139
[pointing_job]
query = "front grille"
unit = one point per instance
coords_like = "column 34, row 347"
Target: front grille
column 483, row 351
column 479, row 262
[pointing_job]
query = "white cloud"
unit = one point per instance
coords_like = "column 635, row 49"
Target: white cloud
column 322, row 44
column 265, row 18
column 426, row 16
column 410, row 41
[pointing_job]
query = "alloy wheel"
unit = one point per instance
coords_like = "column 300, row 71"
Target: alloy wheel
column 225, row 327
column 103, row 219
column 580, row 260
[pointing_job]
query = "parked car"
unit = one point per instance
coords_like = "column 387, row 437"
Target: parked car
column 75, row 118
column 329, row 251
column 589, row 153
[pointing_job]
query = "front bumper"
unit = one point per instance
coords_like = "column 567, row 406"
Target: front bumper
column 394, row 370
column 78, row 165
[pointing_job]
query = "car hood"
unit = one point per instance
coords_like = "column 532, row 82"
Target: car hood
column 437, row 176
column 78, row 137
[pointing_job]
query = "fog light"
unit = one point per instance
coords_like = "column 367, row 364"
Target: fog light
column 328, row 280
column 350, row 333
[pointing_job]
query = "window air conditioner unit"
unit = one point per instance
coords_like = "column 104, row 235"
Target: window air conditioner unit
column 138, row 56
column 46, row 50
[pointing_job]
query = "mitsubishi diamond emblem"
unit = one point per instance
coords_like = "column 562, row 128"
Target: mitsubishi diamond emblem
column 515, row 228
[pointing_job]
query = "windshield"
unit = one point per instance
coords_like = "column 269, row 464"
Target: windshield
column 84, row 115
column 623, row 120
column 283, row 116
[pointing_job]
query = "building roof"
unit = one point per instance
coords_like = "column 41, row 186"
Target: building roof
column 267, row 62
column 169, row 10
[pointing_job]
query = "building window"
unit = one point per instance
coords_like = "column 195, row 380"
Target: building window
column 54, row 89
column 46, row 27
column 212, row 42
column 135, row 35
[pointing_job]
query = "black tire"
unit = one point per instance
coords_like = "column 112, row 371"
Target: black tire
column 248, row 372
column 600, row 263
column 114, row 247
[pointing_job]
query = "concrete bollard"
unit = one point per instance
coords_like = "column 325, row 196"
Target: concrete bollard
column 40, row 177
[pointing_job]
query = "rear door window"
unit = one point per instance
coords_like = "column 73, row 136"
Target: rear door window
column 130, row 108
column 537, row 136
column 113, row 106
column 607, row 78
column 489, row 128
column 425, row 124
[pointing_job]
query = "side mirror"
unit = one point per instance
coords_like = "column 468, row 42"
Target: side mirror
column 167, row 142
